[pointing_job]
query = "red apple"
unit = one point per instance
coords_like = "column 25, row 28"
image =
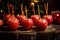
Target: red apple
column 55, row 16
column 13, row 23
column 41, row 24
column 1, row 22
column 58, row 21
column 7, row 16
column 48, row 18
column 35, row 18
column 21, row 18
column 27, row 24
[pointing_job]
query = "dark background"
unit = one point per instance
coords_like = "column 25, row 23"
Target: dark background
column 53, row 5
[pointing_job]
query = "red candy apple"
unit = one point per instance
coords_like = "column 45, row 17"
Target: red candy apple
column 55, row 16
column 58, row 21
column 21, row 18
column 1, row 22
column 48, row 18
column 27, row 24
column 7, row 16
column 42, row 24
column 35, row 18
column 13, row 23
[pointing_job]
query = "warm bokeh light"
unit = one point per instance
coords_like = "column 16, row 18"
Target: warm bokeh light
column 35, row 1
column 11, row 5
column 32, row 3
column 1, row 11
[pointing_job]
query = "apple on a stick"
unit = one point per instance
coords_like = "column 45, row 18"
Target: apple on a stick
column 7, row 16
column 42, row 23
column 34, row 17
column 48, row 17
column 27, row 23
column 13, row 22
column 22, row 16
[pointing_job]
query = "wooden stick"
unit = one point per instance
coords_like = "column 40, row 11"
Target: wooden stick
column 13, row 10
column 22, row 9
column 38, row 10
column 26, row 11
column 8, row 8
column 33, row 7
column 46, row 9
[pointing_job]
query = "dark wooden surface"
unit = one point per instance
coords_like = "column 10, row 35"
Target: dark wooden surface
column 51, row 33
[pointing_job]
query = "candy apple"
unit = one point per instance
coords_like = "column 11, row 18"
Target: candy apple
column 1, row 22
column 27, row 24
column 13, row 23
column 41, row 24
column 7, row 16
column 21, row 18
column 55, row 16
column 58, row 21
column 48, row 18
column 35, row 18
